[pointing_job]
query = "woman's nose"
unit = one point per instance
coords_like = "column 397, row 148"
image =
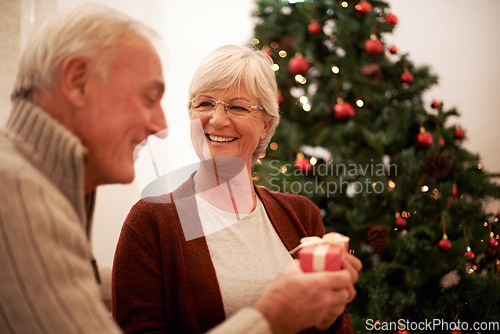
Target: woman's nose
column 219, row 116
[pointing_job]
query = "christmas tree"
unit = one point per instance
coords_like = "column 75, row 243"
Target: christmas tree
column 384, row 168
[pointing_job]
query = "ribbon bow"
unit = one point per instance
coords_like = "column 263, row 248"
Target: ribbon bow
column 332, row 238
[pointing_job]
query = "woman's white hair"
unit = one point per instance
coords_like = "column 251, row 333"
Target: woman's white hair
column 230, row 67
column 89, row 30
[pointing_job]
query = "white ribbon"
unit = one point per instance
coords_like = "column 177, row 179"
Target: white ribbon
column 332, row 238
column 319, row 257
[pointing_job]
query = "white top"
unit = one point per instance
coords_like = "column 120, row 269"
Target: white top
column 246, row 252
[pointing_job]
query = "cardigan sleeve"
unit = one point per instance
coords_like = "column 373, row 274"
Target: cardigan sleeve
column 137, row 283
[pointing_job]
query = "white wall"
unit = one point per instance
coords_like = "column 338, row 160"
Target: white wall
column 457, row 38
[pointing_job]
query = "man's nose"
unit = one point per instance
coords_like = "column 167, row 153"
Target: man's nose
column 158, row 124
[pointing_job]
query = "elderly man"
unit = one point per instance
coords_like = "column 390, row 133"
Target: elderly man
column 88, row 91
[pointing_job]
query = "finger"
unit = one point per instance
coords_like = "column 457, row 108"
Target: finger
column 336, row 279
column 340, row 297
column 353, row 265
column 346, row 265
column 354, row 261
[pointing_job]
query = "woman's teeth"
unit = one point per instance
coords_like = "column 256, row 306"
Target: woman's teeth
column 221, row 139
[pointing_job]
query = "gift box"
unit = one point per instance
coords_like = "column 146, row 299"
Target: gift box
column 322, row 254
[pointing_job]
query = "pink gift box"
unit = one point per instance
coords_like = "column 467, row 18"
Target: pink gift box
column 323, row 257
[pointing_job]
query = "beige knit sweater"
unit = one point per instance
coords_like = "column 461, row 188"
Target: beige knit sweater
column 47, row 283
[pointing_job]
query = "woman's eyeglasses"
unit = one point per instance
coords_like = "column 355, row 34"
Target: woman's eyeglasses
column 237, row 107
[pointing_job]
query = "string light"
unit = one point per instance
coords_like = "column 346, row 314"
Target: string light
column 273, row 146
column 313, row 160
column 274, row 45
column 335, row 69
column 282, row 53
column 305, row 103
column 360, row 103
column 391, row 184
column 255, row 41
column 300, row 79
column 275, row 67
column 424, row 189
column 345, row 4
column 283, row 169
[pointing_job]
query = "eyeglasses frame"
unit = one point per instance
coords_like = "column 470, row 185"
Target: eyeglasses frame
column 225, row 104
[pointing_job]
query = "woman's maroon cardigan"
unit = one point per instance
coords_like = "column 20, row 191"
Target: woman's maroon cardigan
column 164, row 284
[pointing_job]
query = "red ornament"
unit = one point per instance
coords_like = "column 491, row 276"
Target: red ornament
column 267, row 51
column 374, row 47
column 314, row 28
column 456, row 331
column 469, row 254
column 393, row 49
column 424, row 139
column 444, row 244
column 400, row 222
column 441, row 142
column 343, row 111
column 303, row 164
column 281, row 98
column 455, row 192
column 493, row 243
column 298, row 65
column 406, row 77
column 458, row 133
column 391, row 19
column 435, row 104
column 403, row 331
column 363, row 7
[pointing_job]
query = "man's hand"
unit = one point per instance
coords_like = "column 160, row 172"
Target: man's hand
column 295, row 300
column 352, row 265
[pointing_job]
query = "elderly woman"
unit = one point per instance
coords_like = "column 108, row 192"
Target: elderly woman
column 188, row 260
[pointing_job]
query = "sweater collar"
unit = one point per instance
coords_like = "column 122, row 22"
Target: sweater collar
column 55, row 151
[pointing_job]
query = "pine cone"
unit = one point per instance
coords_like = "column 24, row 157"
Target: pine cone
column 437, row 165
column 377, row 237
column 372, row 71
column 288, row 42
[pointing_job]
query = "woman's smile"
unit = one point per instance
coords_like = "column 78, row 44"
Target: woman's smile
column 220, row 139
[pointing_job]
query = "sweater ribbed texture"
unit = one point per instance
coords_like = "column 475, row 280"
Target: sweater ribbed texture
column 47, row 283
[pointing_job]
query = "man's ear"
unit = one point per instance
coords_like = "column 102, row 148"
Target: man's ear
column 73, row 76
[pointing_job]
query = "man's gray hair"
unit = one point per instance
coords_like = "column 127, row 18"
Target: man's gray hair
column 88, row 30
